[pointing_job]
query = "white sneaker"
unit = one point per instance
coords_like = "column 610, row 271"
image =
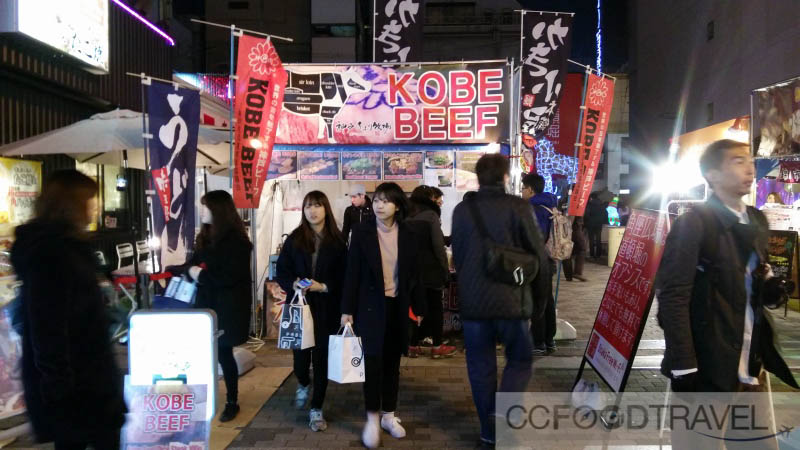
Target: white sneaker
column 391, row 423
column 371, row 436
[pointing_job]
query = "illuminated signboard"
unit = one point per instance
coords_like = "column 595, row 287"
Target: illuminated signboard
column 78, row 28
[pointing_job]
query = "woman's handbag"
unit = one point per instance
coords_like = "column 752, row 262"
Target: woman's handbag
column 345, row 357
column 296, row 331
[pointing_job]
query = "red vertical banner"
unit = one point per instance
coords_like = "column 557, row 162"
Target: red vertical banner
column 260, row 83
column 599, row 99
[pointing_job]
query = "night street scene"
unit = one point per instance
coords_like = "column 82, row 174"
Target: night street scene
column 433, row 224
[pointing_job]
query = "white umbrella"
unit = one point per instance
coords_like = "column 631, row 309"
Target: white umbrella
column 101, row 139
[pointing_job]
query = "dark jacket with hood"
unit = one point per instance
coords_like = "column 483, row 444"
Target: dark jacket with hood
column 294, row 263
column 509, row 222
column 363, row 291
column 425, row 216
column 596, row 214
column 73, row 387
column 702, row 297
column 354, row 215
column 225, row 285
column 543, row 217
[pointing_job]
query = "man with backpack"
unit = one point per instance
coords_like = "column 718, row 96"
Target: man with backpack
column 712, row 286
column 492, row 308
column 544, row 206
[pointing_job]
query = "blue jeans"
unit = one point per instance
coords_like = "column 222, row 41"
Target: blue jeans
column 480, row 338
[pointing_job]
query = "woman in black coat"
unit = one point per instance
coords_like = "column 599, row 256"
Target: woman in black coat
column 315, row 250
column 73, row 388
column 381, row 282
column 221, row 266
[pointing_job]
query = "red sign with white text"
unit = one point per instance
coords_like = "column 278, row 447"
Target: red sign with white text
column 161, row 181
column 599, row 98
column 627, row 298
column 260, row 85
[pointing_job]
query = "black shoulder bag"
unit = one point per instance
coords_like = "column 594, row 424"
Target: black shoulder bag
column 505, row 264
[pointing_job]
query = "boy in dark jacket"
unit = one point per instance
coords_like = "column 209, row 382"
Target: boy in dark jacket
column 359, row 211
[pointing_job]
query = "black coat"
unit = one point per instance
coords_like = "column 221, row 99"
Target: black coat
column 509, row 221
column 433, row 257
column 363, row 291
column 294, row 263
column 702, row 312
column 225, row 285
column 73, row 387
column 596, row 214
column 355, row 215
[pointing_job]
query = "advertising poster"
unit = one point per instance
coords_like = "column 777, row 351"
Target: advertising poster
column 282, row 165
column 318, row 165
column 780, row 250
column 361, row 165
column 397, row 36
column 432, row 104
column 780, row 217
column 439, row 168
column 466, row 179
column 169, row 416
column 12, row 401
column 627, row 298
column 20, row 184
column 402, row 165
column 777, row 116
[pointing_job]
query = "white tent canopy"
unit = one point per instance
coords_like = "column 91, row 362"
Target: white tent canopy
column 101, row 139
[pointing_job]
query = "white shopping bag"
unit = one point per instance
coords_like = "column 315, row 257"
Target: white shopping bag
column 345, row 357
column 296, row 330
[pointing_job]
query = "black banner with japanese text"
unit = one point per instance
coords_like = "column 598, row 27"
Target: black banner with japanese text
column 546, row 43
column 397, row 35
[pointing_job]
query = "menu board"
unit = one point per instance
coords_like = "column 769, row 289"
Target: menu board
column 780, row 251
column 361, row 165
column 318, row 165
column 627, row 298
column 282, row 165
column 466, row 178
column 170, row 416
column 20, row 184
column 439, row 167
column 402, row 165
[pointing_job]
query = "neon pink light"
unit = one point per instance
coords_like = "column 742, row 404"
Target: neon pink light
column 145, row 21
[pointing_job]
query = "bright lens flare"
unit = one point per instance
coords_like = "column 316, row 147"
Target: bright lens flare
column 256, row 144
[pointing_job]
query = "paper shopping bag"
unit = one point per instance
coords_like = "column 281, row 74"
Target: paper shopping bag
column 296, row 330
column 345, row 357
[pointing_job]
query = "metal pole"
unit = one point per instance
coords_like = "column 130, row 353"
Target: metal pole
column 591, row 69
column 374, row 21
column 396, row 64
column 231, row 96
column 213, row 24
column 512, row 116
column 144, row 76
column 254, row 268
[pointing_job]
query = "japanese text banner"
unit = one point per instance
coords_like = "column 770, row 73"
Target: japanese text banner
column 546, row 43
column 599, row 99
column 260, row 85
column 398, row 30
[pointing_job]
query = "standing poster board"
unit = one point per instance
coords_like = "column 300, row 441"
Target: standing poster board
column 626, row 301
column 780, row 252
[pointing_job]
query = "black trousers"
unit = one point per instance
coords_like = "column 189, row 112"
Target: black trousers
column 229, row 371
column 433, row 322
column 382, row 372
column 578, row 257
column 106, row 441
column 595, row 244
column 543, row 329
column 318, row 355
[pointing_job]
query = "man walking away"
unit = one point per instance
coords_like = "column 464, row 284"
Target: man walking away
column 359, row 211
column 491, row 310
column 573, row 267
column 710, row 291
column 596, row 217
column 543, row 330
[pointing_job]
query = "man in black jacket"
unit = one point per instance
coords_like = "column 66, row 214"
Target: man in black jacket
column 718, row 334
column 359, row 211
column 491, row 310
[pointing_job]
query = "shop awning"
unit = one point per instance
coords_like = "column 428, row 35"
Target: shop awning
column 101, row 139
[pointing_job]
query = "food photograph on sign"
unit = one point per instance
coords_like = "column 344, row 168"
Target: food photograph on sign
column 282, row 165
column 370, row 104
column 402, row 165
column 361, row 165
column 318, row 165
column 439, row 168
column 466, row 178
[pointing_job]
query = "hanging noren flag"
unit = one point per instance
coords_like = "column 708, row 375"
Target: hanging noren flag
column 546, row 42
column 599, row 99
column 174, row 118
column 397, row 34
column 260, row 83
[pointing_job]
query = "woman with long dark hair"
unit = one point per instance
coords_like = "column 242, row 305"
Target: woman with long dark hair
column 221, row 266
column 381, row 282
column 315, row 250
column 73, row 387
